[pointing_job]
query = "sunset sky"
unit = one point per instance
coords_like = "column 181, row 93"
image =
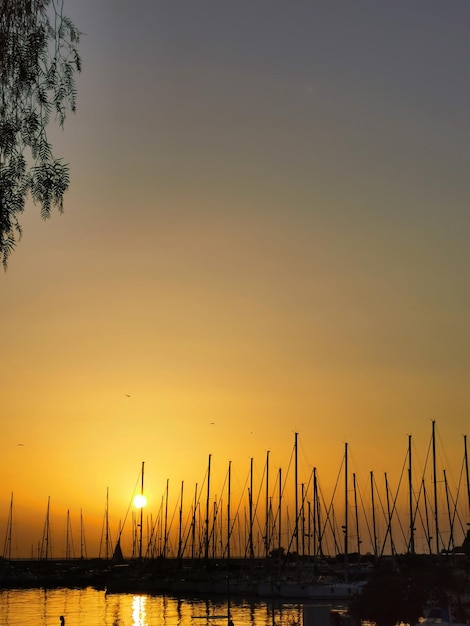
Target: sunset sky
column 267, row 232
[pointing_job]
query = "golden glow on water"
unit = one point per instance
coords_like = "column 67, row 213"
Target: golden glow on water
column 138, row 609
column 84, row 607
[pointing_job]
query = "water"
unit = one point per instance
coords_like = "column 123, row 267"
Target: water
column 89, row 607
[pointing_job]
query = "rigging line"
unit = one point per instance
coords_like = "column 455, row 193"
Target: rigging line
column 427, row 457
column 237, row 511
column 194, row 509
column 396, row 497
column 283, row 488
column 443, row 455
column 389, row 525
column 275, row 490
column 328, row 520
column 419, row 513
column 168, row 533
column 369, row 530
column 455, row 513
column 258, row 499
column 130, row 504
column 158, row 520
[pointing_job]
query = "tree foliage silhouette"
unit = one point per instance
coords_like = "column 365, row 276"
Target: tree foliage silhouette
column 38, row 62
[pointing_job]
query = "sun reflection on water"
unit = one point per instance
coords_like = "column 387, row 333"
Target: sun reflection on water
column 139, row 616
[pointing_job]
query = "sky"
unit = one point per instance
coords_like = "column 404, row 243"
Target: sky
column 266, row 233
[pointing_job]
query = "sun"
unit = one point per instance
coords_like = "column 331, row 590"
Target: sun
column 140, row 501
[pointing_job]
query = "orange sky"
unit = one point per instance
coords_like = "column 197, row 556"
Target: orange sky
column 267, row 228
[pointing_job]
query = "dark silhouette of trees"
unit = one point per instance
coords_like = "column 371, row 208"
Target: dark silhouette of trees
column 38, row 63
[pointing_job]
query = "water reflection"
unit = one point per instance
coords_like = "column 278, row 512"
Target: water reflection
column 138, row 611
column 82, row 607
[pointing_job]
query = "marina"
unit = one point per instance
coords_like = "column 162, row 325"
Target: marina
column 317, row 558
column 285, row 516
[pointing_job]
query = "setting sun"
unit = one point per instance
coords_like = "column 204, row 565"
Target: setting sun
column 140, row 501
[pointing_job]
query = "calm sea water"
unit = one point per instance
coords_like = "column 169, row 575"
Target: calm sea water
column 89, row 607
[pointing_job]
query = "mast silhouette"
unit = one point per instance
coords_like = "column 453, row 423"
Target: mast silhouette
column 466, row 474
column 450, row 545
column 45, row 544
column 266, row 536
column 426, row 512
column 357, row 519
column 82, row 538
column 229, row 495
column 8, row 534
column 69, row 549
column 436, row 516
column 410, row 487
column 374, row 523
column 389, row 515
column 279, row 541
column 296, row 528
column 141, row 511
column 165, row 531
column 206, row 538
column 346, row 515
column 180, row 531
column 250, row 512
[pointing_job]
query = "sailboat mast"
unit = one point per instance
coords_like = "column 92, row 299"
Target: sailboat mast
column 279, row 541
column 346, row 516
column 107, row 525
column 82, row 537
column 206, row 542
column 45, row 541
column 314, row 528
column 141, row 510
column 266, row 532
column 67, row 545
column 229, row 495
column 389, row 515
column 8, row 535
column 180, row 532
column 296, row 531
column 449, row 514
column 309, row 528
column 426, row 512
column 357, row 518
column 302, row 517
column 410, row 487
column 436, row 517
column 466, row 473
column 193, row 529
column 165, row 536
column 250, row 507
column 320, row 527
column 374, row 524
